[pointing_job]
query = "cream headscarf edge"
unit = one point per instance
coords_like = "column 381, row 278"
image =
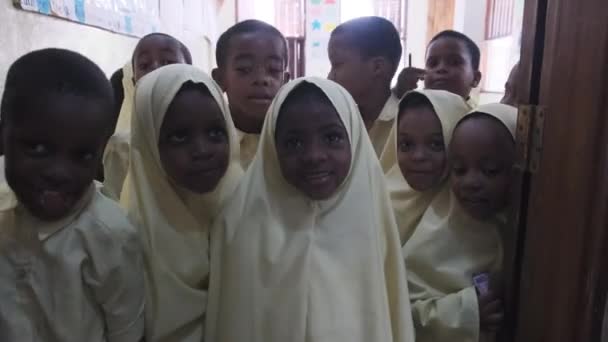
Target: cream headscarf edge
column 124, row 119
column 504, row 113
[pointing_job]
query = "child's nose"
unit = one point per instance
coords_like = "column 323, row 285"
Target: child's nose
column 471, row 182
column 200, row 149
column 261, row 76
column 57, row 174
column 418, row 154
column 314, row 154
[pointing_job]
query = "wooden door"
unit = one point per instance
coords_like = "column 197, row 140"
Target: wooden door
column 440, row 17
column 562, row 278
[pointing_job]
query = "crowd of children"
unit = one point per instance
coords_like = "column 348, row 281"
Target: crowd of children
column 166, row 204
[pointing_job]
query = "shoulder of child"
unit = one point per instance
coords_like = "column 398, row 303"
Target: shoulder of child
column 104, row 221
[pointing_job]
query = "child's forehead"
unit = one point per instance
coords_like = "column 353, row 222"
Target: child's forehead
column 156, row 43
column 60, row 111
column 256, row 43
column 482, row 135
column 447, row 46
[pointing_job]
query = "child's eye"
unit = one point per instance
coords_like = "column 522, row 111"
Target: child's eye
column 293, row 144
column 37, row 150
column 169, row 62
column 458, row 170
column 217, row 133
column 437, row 146
column 431, row 63
column 244, row 70
column 405, row 145
column 86, row 155
column 178, row 138
column 491, row 171
column 334, row 138
column 455, row 61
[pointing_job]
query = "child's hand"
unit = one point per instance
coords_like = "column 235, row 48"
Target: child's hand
column 490, row 311
column 408, row 80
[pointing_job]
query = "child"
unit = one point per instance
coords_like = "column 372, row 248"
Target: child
column 151, row 52
column 251, row 61
column 184, row 163
column 452, row 64
column 69, row 259
column 455, row 254
column 301, row 253
column 415, row 161
column 511, row 97
column 364, row 55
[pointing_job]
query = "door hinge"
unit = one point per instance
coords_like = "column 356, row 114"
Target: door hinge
column 529, row 137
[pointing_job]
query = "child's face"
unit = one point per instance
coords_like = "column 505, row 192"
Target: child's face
column 253, row 73
column 482, row 155
column 421, row 149
column 511, row 96
column 154, row 52
column 53, row 150
column 313, row 149
column 449, row 67
column 348, row 67
column 193, row 142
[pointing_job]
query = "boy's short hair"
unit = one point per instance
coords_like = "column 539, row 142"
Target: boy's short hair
column 372, row 37
column 247, row 26
column 54, row 71
column 183, row 48
column 472, row 48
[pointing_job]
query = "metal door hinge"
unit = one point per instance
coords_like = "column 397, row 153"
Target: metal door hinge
column 529, row 137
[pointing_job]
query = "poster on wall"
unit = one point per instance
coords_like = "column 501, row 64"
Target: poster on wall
column 130, row 17
column 321, row 19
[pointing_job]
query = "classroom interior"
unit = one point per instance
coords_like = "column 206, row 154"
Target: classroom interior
column 556, row 278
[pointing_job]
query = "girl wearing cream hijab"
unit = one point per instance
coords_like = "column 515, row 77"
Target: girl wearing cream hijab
column 184, row 164
column 307, row 250
column 454, row 257
column 151, row 52
column 415, row 162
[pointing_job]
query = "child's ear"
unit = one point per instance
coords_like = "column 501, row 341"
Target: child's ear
column 379, row 65
column 476, row 79
column 286, row 76
column 217, row 76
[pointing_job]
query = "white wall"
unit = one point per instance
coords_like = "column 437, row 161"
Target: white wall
column 415, row 42
column 22, row 32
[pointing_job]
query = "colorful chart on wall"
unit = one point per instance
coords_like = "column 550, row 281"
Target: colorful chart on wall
column 322, row 17
column 130, row 17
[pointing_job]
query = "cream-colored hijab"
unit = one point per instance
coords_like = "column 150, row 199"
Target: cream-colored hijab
column 173, row 222
column 116, row 154
column 447, row 249
column 286, row 268
column 124, row 119
column 409, row 204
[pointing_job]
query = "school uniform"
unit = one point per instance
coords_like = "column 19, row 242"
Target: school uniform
column 248, row 147
column 381, row 129
column 172, row 221
column 76, row 279
column 287, row 268
column 446, row 251
column 409, row 204
column 116, row 154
